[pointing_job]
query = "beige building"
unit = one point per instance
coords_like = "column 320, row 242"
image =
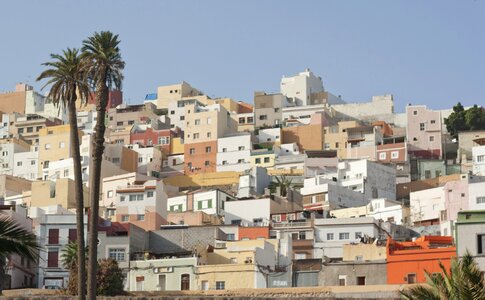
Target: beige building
column 61, row 192
column 364, row 252
column 336, row 137
column 126, row 115
column 54, row 144
column 14, row 102
column 206, row 123
column 174, row 92
column 29, row 126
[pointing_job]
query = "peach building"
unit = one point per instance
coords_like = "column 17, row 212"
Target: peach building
column 424, row 132
column 143, row 203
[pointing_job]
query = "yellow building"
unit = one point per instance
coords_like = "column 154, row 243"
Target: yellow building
column 62, row 192
column 244, row 264
column 54, row 144
column 263, row 158
column 179, row 91
column 176, row 146
column 335, row 137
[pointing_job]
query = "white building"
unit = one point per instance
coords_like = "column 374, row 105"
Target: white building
column 34, row 102
column 299, row 88
column 252, row 212
column 269, row 135
column 253, row 183
column 234, row 152
column 25, row 164
column 86, row 121
column 55, row 231
column 478, row 154
column 8, row 148
column 5, row 125
column 379, row 209
column 211, row 202
column 332, row 234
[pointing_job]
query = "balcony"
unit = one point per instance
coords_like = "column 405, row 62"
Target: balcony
column 295, row 224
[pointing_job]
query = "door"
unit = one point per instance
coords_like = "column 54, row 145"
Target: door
column 306, row 279
column 162, row 279
column 185, row 282
column 205, row 285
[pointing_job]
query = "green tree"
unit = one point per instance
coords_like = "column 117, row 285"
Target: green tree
column 68, row 83
column 110, row 278
column 16, row 240
column 462, row 282
column 104, row 66
column 69, row 258
column 463, row 120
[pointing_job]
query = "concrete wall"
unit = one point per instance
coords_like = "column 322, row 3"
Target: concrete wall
column 374, row 272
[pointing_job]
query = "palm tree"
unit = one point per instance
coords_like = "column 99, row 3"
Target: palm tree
column 464, row 281
column 284, row 183
column 16, row 240
column 68, row 83
column 104, row 67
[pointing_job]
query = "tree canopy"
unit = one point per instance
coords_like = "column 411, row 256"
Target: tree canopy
column 462, row 119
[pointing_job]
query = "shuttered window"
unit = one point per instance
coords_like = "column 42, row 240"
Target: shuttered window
column 53, row 259
column 53, row 236
column 72, row 235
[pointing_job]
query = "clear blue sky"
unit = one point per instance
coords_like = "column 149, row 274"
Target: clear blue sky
column 426, row 52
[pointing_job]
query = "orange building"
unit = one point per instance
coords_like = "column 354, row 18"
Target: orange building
column 407, row 261
column 200, row 157
column 253, row 233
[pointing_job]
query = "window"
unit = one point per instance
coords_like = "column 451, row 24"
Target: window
column 411, row 278
column 481, row 158
column 139, row 197
column 32, row 162
column 208, row 149
column 480, row 243
column 122, row 198
column 53, row 236
column 196, row 135
column 257, row 160
column 358, row 235
column 302, row 235
column 172, row 112
column 197, row 122
column 182, row 118
column 140, row 217
column 140, row 159
column 132, row 197
column 480, row 200
column 415, row 112
column 21, row 130
column 209, row 121
column 236, row 222
column 115, row 160
column 266, row 159
column 206, row 163
column 47, row 146
column 360, row 280
column 242, row 120
column 125, row 218
column 421, row 126
column 382, row 155
column 149, row 194
column 343, row 236
column 53, row 259
column 30, row 129
column 433, row 121
column 224, row 162
column 72, row 236
column 431, row 138
column 263, row 117
column 395, row 154
column 209, row 134
column 240, row 161
column 66, row 173
column 250, row 120
column 326, row 146
column 192, row 151
column 164, row 140
column 329, row 236
column 336, row 145
column 230, row 236
column 119, row 123
column 19, row 164
column 342, row 280
column 117, row 254
column 220, row 285
column 62, row 145
column 240, row 148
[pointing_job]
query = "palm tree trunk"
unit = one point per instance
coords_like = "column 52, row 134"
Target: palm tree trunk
column 95, row 183
column 78, row 181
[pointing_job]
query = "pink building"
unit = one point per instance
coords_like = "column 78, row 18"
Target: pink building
column 115, row 98
column 423, row 132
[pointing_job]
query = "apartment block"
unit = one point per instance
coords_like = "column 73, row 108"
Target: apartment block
column 424, row 132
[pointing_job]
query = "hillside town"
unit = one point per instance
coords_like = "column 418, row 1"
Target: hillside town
column 294, row 188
